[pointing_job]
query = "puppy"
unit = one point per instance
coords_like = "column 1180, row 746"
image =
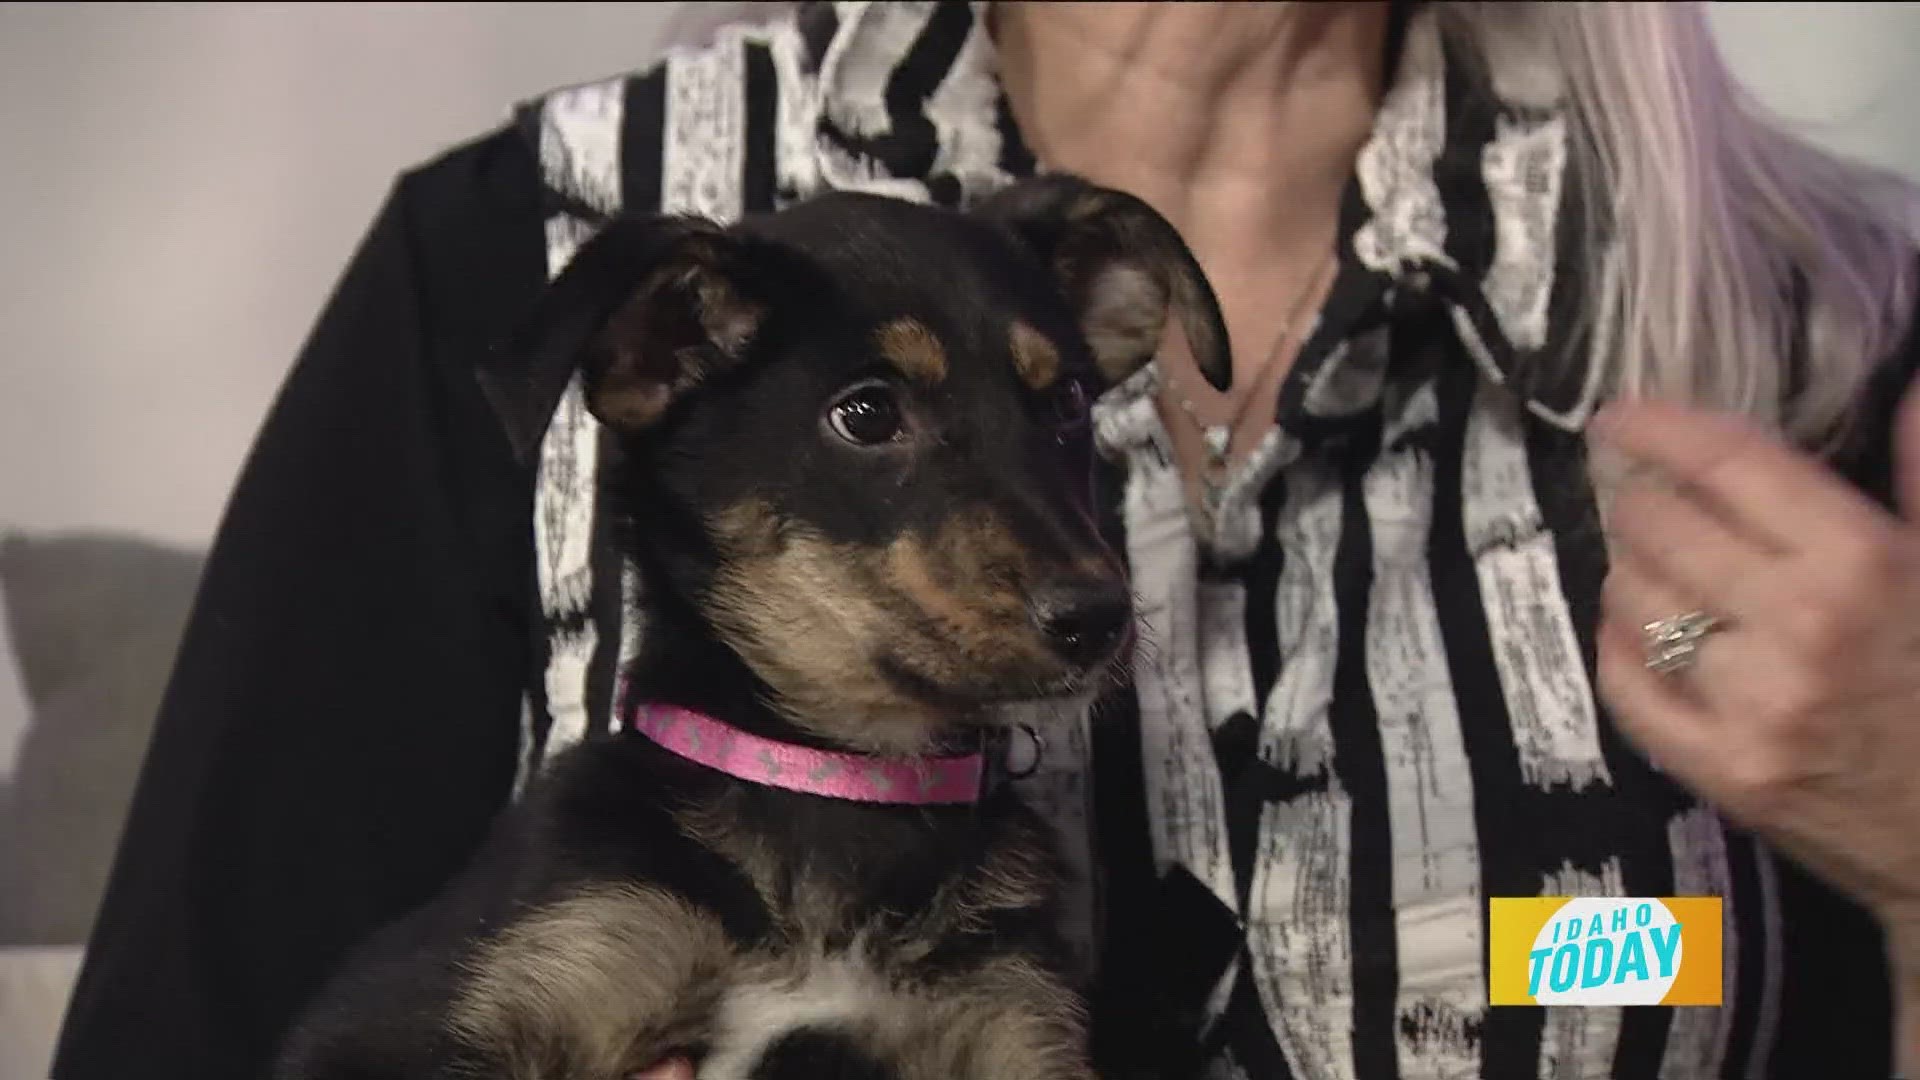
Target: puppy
column 855, row 459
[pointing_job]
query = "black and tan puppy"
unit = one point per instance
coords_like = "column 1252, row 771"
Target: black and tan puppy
column 856, row 455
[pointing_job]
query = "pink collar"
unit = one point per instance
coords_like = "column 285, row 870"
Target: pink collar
column 862, row 778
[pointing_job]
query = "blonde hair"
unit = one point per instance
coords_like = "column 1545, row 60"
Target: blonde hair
column 1723, row 249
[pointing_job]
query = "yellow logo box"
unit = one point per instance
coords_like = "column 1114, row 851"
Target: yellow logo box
column 1589, row 950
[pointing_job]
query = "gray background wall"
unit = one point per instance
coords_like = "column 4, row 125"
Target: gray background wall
column 180, row 184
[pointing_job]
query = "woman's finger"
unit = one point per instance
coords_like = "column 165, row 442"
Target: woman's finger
column 670, row 1069
column 1680, row 736
column 1783, row 497
column 1733, row 669
column 1684, row 543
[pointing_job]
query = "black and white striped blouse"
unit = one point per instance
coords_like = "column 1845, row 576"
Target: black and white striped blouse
column 1369, row 704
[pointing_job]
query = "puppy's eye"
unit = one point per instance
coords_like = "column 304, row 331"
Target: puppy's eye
column 1070, row 400
column 867, row 416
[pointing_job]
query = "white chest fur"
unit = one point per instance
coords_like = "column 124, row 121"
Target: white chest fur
column 833, row 992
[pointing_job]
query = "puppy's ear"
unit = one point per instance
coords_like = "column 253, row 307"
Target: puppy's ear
column 1123, row 268
column 646, row 308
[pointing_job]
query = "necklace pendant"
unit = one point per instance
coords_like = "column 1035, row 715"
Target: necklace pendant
column 1217, row 438
column 1213, row 473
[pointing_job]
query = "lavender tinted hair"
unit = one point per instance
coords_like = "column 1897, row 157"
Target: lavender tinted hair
column 1719, row 237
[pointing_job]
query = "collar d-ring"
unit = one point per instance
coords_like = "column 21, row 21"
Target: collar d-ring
column 1015, row 770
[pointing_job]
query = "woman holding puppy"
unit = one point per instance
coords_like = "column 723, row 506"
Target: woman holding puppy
column 1559, row 535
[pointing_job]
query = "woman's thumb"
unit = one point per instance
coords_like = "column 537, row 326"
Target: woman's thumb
column 1906, row 456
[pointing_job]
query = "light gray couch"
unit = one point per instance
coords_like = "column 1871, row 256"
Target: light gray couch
column 94, row 620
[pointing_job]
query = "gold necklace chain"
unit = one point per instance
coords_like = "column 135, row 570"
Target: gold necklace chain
column 1217, row 438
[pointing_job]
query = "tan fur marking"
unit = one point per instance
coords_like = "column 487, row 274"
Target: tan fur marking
column 808, row 906
column 1005, row 1018
column 637, row 387
column 1034, row 358
column 909, row 569
column 1087, row 205
column 911, row 347
column 807, row 616
column 1019, row 875
column 1123, row 319
column 729, row 318
column 970, row 581
column 819, row 620
column 747, row 529
column 631, row 407
column 1096, row 566
column 595, row 985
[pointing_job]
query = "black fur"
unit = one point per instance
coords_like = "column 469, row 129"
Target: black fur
column 934, row 569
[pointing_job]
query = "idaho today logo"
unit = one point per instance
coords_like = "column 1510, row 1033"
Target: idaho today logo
column 1593, row 950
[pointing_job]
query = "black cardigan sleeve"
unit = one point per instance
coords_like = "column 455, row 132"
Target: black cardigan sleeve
column 1841, row 1010
column 342, row 718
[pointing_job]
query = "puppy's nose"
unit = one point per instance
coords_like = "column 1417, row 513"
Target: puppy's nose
column 1083, row 620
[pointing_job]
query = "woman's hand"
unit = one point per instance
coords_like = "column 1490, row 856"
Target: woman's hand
column 1800, row 718
column 670, row 1069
